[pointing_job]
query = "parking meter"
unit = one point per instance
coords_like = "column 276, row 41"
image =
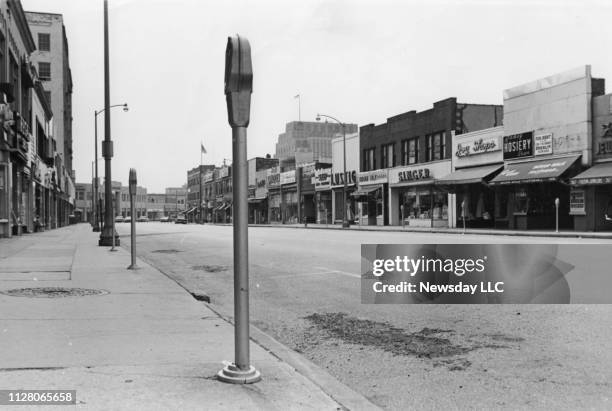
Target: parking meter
column 238, row 89
column 132, row 191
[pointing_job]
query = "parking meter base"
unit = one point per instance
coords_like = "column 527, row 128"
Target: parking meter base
column 96, row 229
column 133, row 267
column 231, row 374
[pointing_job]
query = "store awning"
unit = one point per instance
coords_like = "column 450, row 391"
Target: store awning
column 191, row 210
column 256, row 200
column 469, row 175
column 535, row 171
column 598, row 174
column 364, row 192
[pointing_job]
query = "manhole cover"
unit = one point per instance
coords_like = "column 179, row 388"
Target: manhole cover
column 166, row 251
column 210, row 268
column 52, row 292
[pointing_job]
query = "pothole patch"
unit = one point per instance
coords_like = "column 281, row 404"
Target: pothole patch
column 170, row 251
column 210, row 268
column 52, row 292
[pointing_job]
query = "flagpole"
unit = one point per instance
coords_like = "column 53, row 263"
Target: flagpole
column 200, row 177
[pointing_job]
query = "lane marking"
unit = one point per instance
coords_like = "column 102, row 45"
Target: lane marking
column 340, row 272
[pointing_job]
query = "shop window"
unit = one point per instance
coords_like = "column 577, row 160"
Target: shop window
column 521, row 201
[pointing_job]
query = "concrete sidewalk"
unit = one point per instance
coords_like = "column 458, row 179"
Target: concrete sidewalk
column 474, row 231
column 144, row 343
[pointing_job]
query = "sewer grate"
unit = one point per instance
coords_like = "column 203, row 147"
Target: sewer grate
column 210, row 268
column 52, row 292
column 171, row 251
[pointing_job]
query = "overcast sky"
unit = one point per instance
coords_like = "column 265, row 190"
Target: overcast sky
column 360, row 61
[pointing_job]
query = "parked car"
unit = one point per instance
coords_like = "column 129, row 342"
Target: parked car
column 119, row 219
column 164, row 219
column 143, row 219
column 180, row 219
column 127, row 219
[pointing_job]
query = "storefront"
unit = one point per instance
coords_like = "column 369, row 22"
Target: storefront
column 477, row 158
column 274, row 195
column 591, row 198
column 258, row 205
column 306, row 175
column 338, row 195
column 289, row 198
column 370, row 197
column 526, row 192
column 414, row 199
column 323, row 195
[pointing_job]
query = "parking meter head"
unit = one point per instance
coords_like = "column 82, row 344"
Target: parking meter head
column 132, row 181
column 238, row 80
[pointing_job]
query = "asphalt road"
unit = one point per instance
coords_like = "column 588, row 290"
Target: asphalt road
column 305, row 291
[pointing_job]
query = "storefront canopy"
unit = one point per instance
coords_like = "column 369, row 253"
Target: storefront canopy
column 256, row 200
column 364, row 192
column 469, row 175
column 598, row 174
column 191, row 210
column 535, row 171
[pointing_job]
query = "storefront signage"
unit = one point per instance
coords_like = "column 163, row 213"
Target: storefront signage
column 261, row 183
column 323, row 179
column 338, row 179
column 224, row 172
column 604, row 143
column 577, row 202
column 518, row 145
column 417, row 174
column 478, row 146
column 373, row 177
column 543, row 144
column 288, row 177
column 208, row 176
column 273, row 180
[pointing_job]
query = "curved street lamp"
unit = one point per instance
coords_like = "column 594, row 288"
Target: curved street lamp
column 98, row 221
column 345, row 223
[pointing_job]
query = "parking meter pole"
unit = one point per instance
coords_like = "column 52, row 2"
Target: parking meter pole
column 238, row 89
column 463, row 214
column 113, row 223
column 132, row 188
column 557, row 214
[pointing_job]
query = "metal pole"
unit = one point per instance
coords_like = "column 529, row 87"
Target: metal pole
column 241, row 247
column 463, row 214
column 114, row 202
column 557, row 214
column 98, row 222
column 108, row 234
column 132, row 188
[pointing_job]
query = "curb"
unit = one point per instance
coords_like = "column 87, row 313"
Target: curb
column 342, row 394
column 435, row 231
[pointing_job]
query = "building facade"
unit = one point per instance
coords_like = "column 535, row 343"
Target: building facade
column 195, row 183
column 547, row 140
column 34, row 191
column 416, row 150
column 52, row 62
column 306, row 142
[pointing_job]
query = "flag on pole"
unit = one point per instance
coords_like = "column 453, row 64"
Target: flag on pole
column 203, row 149
column 296, row 96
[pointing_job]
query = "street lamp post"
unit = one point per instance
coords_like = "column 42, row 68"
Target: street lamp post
column 345, row 223
column 98, row 220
